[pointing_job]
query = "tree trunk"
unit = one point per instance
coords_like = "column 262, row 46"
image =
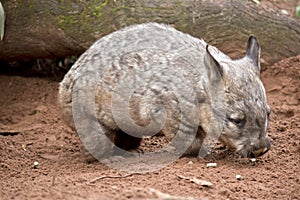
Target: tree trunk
column 44, row 29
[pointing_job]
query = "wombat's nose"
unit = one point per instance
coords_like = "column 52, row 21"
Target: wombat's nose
column 259, row 152
column 264, row 148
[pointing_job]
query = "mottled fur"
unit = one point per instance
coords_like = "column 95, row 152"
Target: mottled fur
column 135, row 49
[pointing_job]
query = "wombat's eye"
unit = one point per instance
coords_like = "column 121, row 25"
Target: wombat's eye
column 237, row 121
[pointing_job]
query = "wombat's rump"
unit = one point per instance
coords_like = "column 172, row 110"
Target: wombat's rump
column 151, row 78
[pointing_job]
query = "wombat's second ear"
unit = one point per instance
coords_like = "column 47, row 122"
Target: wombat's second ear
column 253, row 51
column 214, row 69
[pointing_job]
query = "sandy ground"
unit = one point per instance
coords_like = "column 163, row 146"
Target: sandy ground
column 31, row 129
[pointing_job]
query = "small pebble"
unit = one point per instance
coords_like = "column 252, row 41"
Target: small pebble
column 253, row 159
column 35, row 164
column 256, row 1
column 114, row 187
column 238, row 177
column 190, row 162
column 284, row 12
column 211, row 165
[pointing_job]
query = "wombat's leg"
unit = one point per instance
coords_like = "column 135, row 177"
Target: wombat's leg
column 117, row 138
column 87, row 156
column 98, row 145
column 126, row 141
column 195, row 147
column 97, row 138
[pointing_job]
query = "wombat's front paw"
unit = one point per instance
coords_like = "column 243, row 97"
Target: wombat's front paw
column 204, row 152
column 87, row 156
column 128, row 153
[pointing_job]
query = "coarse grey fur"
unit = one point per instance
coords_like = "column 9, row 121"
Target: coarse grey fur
column 228, row 94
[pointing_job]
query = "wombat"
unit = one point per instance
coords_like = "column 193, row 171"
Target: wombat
column 152, row 79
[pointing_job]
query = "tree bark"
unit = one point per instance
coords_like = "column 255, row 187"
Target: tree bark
column 45, row 29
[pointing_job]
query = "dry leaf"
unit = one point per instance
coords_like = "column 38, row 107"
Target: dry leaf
column 197, row 181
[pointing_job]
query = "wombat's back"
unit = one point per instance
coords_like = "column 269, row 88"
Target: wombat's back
column 104, row 56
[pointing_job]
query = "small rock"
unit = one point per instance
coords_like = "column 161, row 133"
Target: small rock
column 35, row 164
column 190, row 162
column 284, row 12
column 238, row 177
column 253, row 159
column 114, row 187
column 211, row 165
column 256, row 1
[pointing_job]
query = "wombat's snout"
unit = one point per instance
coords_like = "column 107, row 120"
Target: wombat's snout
column 260, row 148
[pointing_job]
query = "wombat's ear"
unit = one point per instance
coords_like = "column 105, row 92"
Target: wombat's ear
column 214, row 69
column 253, row 51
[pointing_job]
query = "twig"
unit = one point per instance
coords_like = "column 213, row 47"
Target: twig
column 110, row 176
column 13, row 132
column 196, row 180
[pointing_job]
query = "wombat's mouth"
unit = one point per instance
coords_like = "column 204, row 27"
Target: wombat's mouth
column 256, row 150
column 258, row 153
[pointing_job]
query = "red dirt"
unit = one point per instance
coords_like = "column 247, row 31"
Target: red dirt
column 31, row 130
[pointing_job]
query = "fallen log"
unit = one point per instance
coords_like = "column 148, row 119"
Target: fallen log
column 46, row 29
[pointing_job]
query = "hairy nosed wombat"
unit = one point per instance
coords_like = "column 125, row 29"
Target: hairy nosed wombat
column 150, row 78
